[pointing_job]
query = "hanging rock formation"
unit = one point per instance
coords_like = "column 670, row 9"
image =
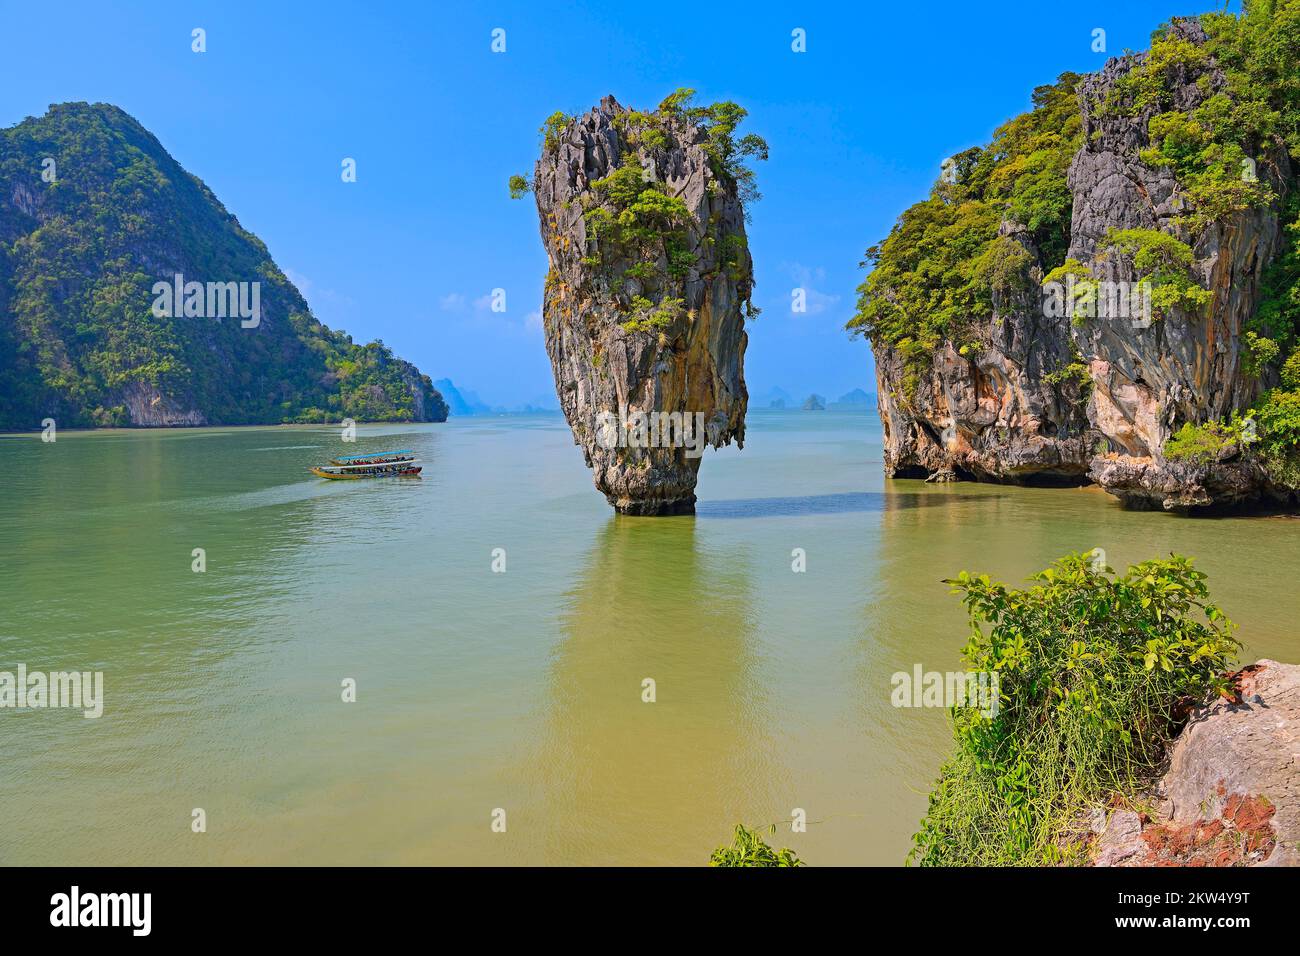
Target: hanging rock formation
column 646, row 297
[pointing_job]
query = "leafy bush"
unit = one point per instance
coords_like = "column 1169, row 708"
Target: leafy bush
column 519, row 187
column 1278, row 417
column 1092, row 668
column 553, row 128
column 1291, row 371
column 635, row 219
column 649, row 317
column 1076, row 373
column 719, row 121
column 1084, row 293
column 749, row 849
column 1003, row 267
column 1199, row 444
column 1165, row 261
column 1258, row 353
column 1277, row 314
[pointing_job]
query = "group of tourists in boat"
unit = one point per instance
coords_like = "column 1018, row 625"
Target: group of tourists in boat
column 384, row 464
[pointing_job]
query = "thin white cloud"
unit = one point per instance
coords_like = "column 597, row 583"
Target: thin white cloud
column 315, row 295
column 303, row 284
column 808, row 278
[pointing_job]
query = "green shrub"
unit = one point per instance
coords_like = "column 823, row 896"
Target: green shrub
column 1003, row 267
column 649, row 317
column 1084, row 294
column 1258, row 353
column 1278, row 417
column 1076, row 372
column 749, row 849
column 1165, row 261
column 1199, row 444
column 553, row 128
column 1291, row 372
column 519, row 187
column 1091, row 667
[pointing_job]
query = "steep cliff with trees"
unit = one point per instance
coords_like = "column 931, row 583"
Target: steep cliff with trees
column 1110, row 291
column 93, row 213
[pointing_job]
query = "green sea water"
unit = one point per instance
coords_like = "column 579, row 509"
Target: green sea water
column 520, row 690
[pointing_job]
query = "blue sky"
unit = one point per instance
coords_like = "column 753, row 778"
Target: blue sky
column 437, row 122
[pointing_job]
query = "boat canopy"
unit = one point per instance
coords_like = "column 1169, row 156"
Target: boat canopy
column 377, row 465
column 378, row 454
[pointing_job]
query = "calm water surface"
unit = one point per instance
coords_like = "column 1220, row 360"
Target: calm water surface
column 522, row 690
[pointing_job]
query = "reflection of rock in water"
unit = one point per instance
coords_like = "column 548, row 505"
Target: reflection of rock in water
column 622, row 781
column 909, row 618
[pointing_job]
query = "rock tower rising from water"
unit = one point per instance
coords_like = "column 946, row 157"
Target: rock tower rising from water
column 642, row 216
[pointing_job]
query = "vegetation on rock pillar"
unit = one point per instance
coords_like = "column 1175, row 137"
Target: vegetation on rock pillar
column 639, row 231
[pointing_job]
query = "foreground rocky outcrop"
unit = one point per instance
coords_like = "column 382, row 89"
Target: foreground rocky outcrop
column 1231, row 794
column 1033, row 393
column 646, row 297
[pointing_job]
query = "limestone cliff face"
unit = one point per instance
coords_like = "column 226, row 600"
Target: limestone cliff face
column 1186, row 367
column 994, row 415
column 1004, row 413
column 644, row 304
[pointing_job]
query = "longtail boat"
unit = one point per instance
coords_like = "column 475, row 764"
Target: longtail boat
column 384, row 464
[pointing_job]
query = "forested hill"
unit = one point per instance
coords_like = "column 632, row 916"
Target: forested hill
column 93, row 214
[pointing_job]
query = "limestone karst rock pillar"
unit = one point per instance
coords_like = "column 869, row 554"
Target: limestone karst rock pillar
column 647, row 294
